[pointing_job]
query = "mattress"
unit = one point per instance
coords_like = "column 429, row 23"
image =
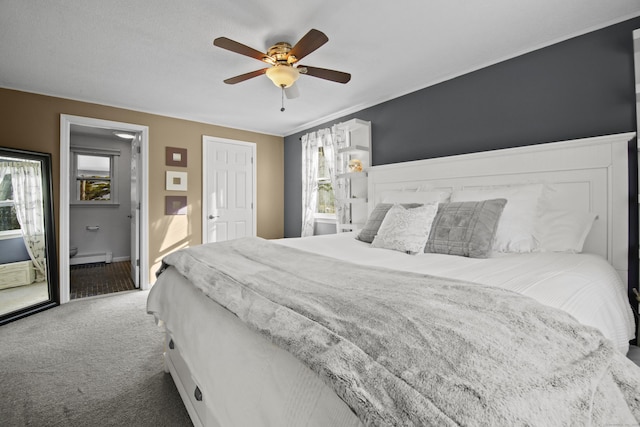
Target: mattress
column 583, row 285
column 246, row 380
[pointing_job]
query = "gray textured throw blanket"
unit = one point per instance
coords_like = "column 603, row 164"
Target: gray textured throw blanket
column 411, row 349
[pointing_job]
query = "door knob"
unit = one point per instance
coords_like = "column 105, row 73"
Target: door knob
column 214, row 217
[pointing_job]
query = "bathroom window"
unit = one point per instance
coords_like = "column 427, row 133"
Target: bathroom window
column 94, row 178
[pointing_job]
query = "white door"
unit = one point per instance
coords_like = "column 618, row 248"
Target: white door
column 228, row 206
column 135, row 210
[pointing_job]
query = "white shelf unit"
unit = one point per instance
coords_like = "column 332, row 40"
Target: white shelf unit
column 354, row 142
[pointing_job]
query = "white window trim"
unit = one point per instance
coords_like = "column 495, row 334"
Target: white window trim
column 74, row 189
column 10, row 234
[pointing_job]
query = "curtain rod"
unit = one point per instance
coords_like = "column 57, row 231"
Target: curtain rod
column 16, row 159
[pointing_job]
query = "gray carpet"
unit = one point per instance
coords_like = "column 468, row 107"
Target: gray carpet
column 93, row 362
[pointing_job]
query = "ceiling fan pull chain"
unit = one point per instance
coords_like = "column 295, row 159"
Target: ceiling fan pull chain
column 282, row 101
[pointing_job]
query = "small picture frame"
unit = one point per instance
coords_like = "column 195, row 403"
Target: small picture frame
column 176, row 181
column 176, row 157
column 175, row 205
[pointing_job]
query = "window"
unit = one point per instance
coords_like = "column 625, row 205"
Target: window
column 94, row 177
column 326, row 198
column 9, row 224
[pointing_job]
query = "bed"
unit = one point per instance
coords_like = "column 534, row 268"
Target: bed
column 236, row 359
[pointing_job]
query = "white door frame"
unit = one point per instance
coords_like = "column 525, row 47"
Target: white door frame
column 65, row 145
column 134, row 196
column 206, row 140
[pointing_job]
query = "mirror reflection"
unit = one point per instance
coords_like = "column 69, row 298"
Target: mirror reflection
column 25, row 215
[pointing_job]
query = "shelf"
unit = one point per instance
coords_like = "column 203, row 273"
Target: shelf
column 354, row 140
column 353, row 149
column 353, row 175
column 356, row 123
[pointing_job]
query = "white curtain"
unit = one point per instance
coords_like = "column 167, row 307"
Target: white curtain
column 340, row 186
column 309, row 182
column 4, row 170
column 26, row 180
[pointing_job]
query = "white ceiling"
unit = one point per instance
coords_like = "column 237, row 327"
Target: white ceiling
column 158, row 57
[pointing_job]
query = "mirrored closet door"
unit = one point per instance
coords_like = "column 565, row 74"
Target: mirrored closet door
column 28, row 262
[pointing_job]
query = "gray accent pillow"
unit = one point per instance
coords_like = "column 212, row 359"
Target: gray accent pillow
column 465, row 228
column 374, row 221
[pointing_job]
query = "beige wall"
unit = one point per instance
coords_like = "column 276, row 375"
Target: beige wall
column 32, row 122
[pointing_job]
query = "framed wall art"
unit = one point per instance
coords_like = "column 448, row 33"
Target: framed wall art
column 176, row 157
column 176, row 181
column 175, row 205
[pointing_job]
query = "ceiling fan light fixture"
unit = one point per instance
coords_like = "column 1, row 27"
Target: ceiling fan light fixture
column 283, row 76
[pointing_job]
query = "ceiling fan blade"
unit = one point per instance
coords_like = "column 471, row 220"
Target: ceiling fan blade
column 308, row 43
column 323, row 73
column 292, row 92
column 243, row 77
column 236, row 47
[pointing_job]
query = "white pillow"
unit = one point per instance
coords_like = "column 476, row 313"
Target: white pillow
column 415, row 196
column 517, row 230
column 564, row 231
column 406, row 230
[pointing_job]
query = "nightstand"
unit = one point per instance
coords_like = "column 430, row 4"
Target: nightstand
column 634, row 354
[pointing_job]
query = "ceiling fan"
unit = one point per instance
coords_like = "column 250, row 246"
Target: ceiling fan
column 283, row 58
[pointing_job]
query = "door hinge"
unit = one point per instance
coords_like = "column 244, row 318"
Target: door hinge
column 251, row 159
column 137, row 263
column 138, row 149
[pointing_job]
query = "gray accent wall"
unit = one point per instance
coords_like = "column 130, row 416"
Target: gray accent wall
column 578, row 88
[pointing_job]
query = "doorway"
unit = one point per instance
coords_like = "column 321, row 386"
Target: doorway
column 229, row 189
column 135, row 194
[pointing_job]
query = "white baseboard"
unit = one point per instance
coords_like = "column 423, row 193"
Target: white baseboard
column 87, row 259
column 92, row 258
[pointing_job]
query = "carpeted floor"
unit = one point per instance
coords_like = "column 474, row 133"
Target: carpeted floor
column 91, row 362
column 99, row 278
column 12, row 299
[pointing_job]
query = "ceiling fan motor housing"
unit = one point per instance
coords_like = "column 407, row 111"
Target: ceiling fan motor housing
column 279, row 53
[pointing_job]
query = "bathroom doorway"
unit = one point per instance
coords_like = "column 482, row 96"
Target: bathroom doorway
column 100, row 200
column 103, row 217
